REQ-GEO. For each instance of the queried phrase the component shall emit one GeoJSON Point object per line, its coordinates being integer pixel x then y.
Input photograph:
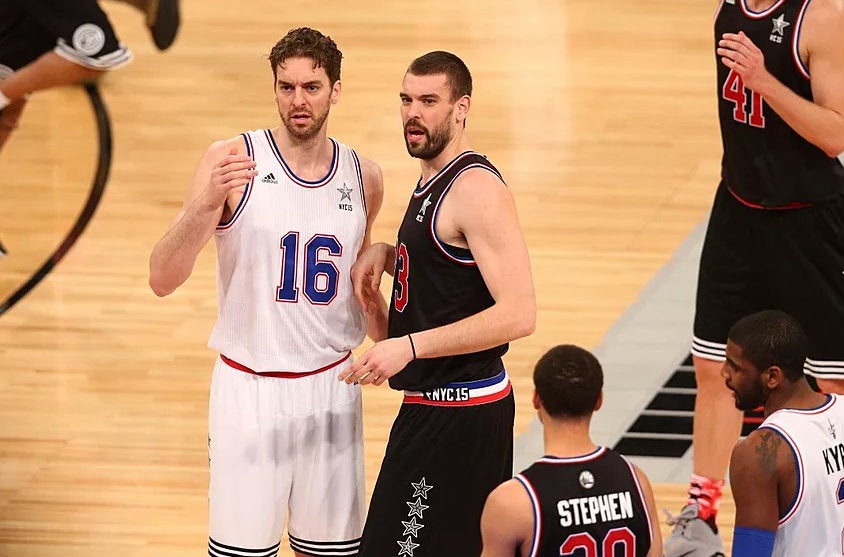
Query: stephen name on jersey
{"type": "Point", "coordinates": [600, 508]}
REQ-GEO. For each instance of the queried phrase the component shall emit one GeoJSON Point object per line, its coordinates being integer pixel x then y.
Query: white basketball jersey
{"type": "Point", "coordinates": [283, 261]}
{"type": "Point", "coordinates": [814, 522]}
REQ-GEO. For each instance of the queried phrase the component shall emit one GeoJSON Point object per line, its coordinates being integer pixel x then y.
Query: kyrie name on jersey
{"type": "Point", "coordinates": [600, 508]}
{"type": "Point", "coordinates": [833, 457]}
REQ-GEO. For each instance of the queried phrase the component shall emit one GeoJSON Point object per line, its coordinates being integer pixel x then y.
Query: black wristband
{"type": "Point", "coordinates": [412, 347]}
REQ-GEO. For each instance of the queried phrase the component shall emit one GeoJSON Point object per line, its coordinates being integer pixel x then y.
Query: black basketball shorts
{"type": "Point", "coordinates": [440, 465]}
{"type": "Point", "coordinates": [791, 260]}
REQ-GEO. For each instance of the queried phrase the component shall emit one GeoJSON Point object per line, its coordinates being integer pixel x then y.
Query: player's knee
{"type": "Point", "coordinates": [708, 371]}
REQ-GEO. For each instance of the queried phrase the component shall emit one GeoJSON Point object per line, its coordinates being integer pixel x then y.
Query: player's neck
{"type": "Point", "coordinates": [458, 144]}
{"type": "Point", "coordinates": [798, 396]}
{"type": "Point", "coordinates": [759, 5]}
{"type": "Point", "coordinates": [309, 159]}
{"type": "Point", "coordinates": [567, 438]}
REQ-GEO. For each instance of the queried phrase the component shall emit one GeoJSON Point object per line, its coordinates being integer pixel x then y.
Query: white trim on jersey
{"type": "Point", "coordinates": [247, 190]}
{"type": "Point", "coordinates": [597, 453]}
{"type": "Point", "coordinates": [417, 193]}
{"type": "Point", "coordinates": [110, 61]}
{"type": "Point", "coordinates": [795, 40]}
{"type": "Point", "coordinates": [759, 15]}
{"type": "Point", "coordinates": [798, 497]}
{"type": "Point", "coordinates": [360, 181]}
{"type": "Point", "coordinates": [537, 513]}
{"type": "Point", "coordinates": [635, 477]}
{"type": "Point", "coordinates": [433, 220]}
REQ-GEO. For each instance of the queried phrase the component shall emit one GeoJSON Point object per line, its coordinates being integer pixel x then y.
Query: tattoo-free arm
{"type": "Point", "coordinates": [506, 521]}
{"type": "Point", "coordinates": [373, 185]}
{"type": "Point", "coordinates": [486, 216]}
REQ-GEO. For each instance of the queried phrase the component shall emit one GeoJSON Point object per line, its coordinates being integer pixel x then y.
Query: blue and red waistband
{"type": "Point", "coordinates": [468, 393]}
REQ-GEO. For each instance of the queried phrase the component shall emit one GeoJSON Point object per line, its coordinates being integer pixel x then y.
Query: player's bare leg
{"type": "Point", "coordinates": [717, 422]}
{"type": "Point", "coordinates": [717, 426]}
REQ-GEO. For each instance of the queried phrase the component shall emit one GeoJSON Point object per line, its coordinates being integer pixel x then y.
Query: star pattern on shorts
{"type": "Point", "coordinates": [421, 489]}
{"type": "Point", "coordinates": [407, 546]}
{"type": "Point", "coordinates": [416, 507]}
{"type": "Point", "coordinates": [412, 527]}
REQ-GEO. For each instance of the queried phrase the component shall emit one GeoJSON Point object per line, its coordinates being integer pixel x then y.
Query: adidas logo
{"type": "Point", "coordinates": [269, 179]}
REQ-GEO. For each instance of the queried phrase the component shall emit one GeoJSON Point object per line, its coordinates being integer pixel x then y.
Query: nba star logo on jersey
{"type": "Point", "coordinates": [779, 27]}
{"type": "Point", "coordinates": [425, 204]}
{"type": "Point", "coordinates": [345, 193]}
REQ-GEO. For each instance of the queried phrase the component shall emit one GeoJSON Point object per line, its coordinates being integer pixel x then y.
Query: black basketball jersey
{"type": "Point", "coordinates": [435, 284]}
{"type": "Point", "coordinates": [593, 502]}
{"type": "Point", "coordinates": [765, 161]}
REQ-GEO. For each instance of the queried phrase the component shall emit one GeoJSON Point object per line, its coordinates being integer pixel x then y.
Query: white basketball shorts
{"type": "Point", "coordinates": [283, 449]}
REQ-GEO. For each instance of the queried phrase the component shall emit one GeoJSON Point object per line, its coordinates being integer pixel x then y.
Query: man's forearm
{"type": "Point", "coordinates": [816, 124]}
{"type": "Point", "coordinates": [50, 70]}
{"type": "Point", "coordinates": [174, 256]}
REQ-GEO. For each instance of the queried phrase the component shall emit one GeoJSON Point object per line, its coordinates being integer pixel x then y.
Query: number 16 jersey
{"type": "Point", "coordinates": [285, 299]}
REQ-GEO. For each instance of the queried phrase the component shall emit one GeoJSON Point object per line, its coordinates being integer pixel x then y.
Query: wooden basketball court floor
{"type": "Point", "coordinates": [600, 115]}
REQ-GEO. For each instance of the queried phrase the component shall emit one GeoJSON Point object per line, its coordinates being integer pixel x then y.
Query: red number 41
{"type": "Point", "coordinates": [734, 90]}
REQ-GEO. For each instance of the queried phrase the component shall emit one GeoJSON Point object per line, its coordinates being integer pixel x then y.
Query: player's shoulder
{"type": "Point", "coordinates": [369, 168]}
{"type": "Point", "coordinates": [764, 450]}
{"type": "Point", "coordinates": [479, 176]}
{"type": "Point", "coordinates": [824, 19]}
{"type": "Point", "coordinates": [508, 496]}
{"type": "Point", "coordinates": [223, 147]}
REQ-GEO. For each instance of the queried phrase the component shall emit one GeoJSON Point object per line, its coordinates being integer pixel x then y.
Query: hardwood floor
{"type": "Point", "coordinates": [600, 116]}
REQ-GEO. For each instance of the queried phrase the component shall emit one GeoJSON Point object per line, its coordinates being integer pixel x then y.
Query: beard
{"type": "Point", "coordinates": [433, 144]}
{"type": "Point", "coordinates": [304, 134]}
{"type": "Point", "coordinates": [751, 399]}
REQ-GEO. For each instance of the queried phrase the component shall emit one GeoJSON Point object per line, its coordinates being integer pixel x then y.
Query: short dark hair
{"type": "Point", "coordinates": [772, 338]}
{"type": "Point", "coordinates": [568, 381]}
{"type": "Point", "coordinates": [308, 43]}
{"type": "Point", "coordinates": [441, 62]}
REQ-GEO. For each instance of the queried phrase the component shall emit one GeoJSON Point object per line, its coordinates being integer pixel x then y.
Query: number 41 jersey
{"type": "Point", "coordinates": [283, 262]}
{"type": "Point", "coordinates": [766, 162]}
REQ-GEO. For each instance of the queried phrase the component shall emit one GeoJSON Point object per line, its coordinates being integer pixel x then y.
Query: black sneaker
{"type": "Point", "coordinates": [163, 21]}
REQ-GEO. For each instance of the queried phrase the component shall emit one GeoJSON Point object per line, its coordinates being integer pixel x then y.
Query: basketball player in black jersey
{"type": "Point", "coordinates": [776, 232]}
{"type": "Point", "coordinates": [579, 496]}
{"type": "Point", "coordinates": [462, 289]}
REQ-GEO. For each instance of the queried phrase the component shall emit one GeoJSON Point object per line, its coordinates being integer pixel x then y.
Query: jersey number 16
{"type": "Point", "coordinates": [321, 276]}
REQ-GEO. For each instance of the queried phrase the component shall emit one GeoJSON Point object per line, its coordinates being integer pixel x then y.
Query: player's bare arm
{"type": "Point", "coordinates": [650, 503]}
{"type": "Point", "coordinates": [481, 210]}
{"type": "Point", "coordinates": [375, 306]}
{"type": "Point", "coordinates": [49, 70]}
{"type": "Point", "coordinates": [754, 467]}
{"type": "Point", "coordinates": [820, 122]}
{"type": "Point", "coordinates": [221, 176]}
{"type": "Point", "coordinates": [507, 521]}
{"type": "Point", "coordinates": [484, 213]}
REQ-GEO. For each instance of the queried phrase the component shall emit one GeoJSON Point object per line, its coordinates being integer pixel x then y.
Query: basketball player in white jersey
{"type": "Point", "coordinates": [289, 209]}
{"type": "Point", "coordinates": [787, 476]}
